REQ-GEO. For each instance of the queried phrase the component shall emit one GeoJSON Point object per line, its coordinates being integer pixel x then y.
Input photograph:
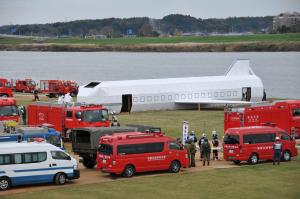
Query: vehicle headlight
{"type": "Point", "coordinates": [75, 167]}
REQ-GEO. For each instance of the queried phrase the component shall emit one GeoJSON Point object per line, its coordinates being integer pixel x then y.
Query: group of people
{"type": "Point", "coordinates": [204, 146]}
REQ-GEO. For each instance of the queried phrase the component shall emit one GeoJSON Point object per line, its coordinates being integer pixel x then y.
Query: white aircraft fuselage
{"type": "Point", "coordinates": [238, 86]}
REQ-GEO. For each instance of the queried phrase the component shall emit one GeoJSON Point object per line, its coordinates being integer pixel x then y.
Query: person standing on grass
{"type": "Point", "coordinates": [277, 147]}
{"type": "Point", "coordinates": [36, 94]}
{"type": "Point", "coordinates": [188, 147]}
{"type": "Point", "coordinates": [201, 142]}
{"type": "Point", "coordinates": [193, 151]}
{"type": "Point", "coordinates": [22, 111]}
{"type": "Point", "coordinates": [206, 152]}
{"type": "Point", "coordinates": [215, 144]}
{"type": "Point", "coordinates": [115, 121]}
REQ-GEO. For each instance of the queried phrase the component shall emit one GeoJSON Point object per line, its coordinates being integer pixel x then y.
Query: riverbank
{"type": "Point", "coordinates": [242, 43]}
{"type": "Point", "coordinates": [179, 47]}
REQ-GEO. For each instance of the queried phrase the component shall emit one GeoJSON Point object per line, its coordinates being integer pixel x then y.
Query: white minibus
{"type": "Point", "coordinates": [31, 163]}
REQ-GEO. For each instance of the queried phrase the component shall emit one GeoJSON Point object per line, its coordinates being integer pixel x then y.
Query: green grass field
{"type": "Point", "coordinates": [259, 181]}
{"type": "Point", "coordinates": [152, 40]}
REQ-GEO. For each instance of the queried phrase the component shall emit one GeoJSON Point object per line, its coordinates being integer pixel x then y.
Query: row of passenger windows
{"type": "Point", "coordinates": [22, 158]}
{"type": "Point", "coordinates": [145, 148]}
{"type": "Point", "coordinates": [263, 138]}
{"type": "Point", "coordinates": [184, 96]}
{"type": "Point", "coordinates": [26, 158]}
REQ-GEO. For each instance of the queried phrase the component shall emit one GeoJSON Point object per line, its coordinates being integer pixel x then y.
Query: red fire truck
{"type": "Point", "coordinates": [9, 115]}
{"type": "Point", "coordinates": [284, 114]}
{"type": "Point", "coordinates": [127, 153]}
{"type": "Point", "coordinates": [54, 88]}
{"type": "Point", "coordinates": [26, 85]}
{"type": "Point", "coordinates": [256, 143]}
{"type": "Point", "coordinates": [67, 117]}
{"type": "Point", "coordinates": [5, 88]}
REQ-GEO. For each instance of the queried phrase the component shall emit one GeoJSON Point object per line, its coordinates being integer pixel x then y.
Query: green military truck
{"type": "Point", "coordinates": [85, 141]}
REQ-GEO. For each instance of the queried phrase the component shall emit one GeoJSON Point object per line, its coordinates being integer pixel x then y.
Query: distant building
{"type": "Point", "coordinates": [287, 22]}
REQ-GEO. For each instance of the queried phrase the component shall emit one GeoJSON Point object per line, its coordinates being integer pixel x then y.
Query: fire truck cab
{"type": "Point", "coordinates": [66, 117]}
{"type": "Point", "coordinates": [54, 88]}
{"type": "Point", "coordinates": [26, 85]}
{"type": "Point", "coordinates": [8, 109]}
{"type": "Point", "coordinates": [5, 88]}
{"type": "Point", "coordinates": [283, 114]}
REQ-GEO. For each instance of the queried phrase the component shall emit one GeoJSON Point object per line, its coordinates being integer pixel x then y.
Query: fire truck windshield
{"type": "Point", "coordinates": [105, 149]}
{"type": "Point", "coordinates": [231, 139]}
{"type": "Point", "coordinates": [54, 140]}
{"type": "Point", "coordinates": [73, 84]}
{"type": "Point", "coordinates": [7, 85]}
{"type": "Point", "coordinates": [31, 83]}
{"type": "Point", "coordinates": [95, 116]}
{"type": "Point", "coordinates": [8, 111]}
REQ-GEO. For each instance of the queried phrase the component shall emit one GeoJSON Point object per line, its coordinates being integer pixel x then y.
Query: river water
{"type": "Point", "coordinates": [279, 71]}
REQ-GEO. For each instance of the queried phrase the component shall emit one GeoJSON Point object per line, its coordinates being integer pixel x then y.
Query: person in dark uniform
{"type": "Point", "coordinates": [115, 121]}
{"type": "Point", "coordinates": [277, 147]}
{"type": "Point", "coordinates": [206, 152]}
{"type": "Point", "coordinates": [193, 151]}
{"type": "Point", "coordinates": [188, 146]}
{"type": "Point", "coordinates": [215, 144]}
{"type": "Point", "coordinates": [36, 94]}
{"type": "Point", "coordinates": [201, 142]}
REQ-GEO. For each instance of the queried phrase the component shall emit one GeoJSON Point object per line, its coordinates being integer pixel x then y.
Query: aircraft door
{"type": "Point", "coordinates": [246, 94]}
{"type": "Point", "coordinates": [126, 103]}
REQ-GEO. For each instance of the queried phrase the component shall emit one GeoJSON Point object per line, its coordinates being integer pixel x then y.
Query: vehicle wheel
{"type": "Point", "coordinates": [286, 156]}
{"type": "Point", "coordinates": [60, 179]}
{"type": "Point", "coordinates": [4, 183]}
{"type": "Point", "coordinates": [175, 166]}
{"type": "Point", "coordinates": [88, 163]}
{"type": "Point", "coordinates": [128, 171]}
{"type": "Point", "coordinates": [253, 158]}
{"type": "Point", "coordinates": [236, 161]}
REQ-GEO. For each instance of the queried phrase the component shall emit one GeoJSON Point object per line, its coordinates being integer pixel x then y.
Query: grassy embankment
{"type": "Point", "coordinates": [259, 42]}
{"type": "Point", "coordinates": [259, 181]}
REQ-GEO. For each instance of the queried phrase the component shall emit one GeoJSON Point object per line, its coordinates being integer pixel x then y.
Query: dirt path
{"type": "Point", "coordinates": [91, 176]}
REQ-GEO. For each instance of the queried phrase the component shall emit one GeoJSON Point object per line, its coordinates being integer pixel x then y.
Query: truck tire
{"type": "Point", "coordinates": [129, 171]}
{"type": "Point", "coordinates": [236, 161]}
{"type": "Point", "coordinates": [60, 178]}
{"type": "Point", "coordinates": [286, 156]}
{"type": "Point", "coordinates": [88, 163]}
{"type": "Point", "coordinates": [253, 158]}
{"type": "Point", "coordinates": [175, 166]}
{"type": "Point", "coordinates": [4, 183]}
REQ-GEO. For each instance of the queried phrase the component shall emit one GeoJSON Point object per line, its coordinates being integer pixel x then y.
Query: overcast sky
{"type": "Point", "coordinates": [48, 11]}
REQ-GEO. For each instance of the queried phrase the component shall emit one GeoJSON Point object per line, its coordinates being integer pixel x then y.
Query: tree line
{"type": "Point", "coordinates": [174, 24]}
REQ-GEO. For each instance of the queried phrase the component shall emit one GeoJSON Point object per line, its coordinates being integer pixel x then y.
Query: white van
{"type": "Point", "coordinates": [30, 163]}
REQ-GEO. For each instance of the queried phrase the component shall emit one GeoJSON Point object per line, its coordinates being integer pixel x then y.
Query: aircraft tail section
{"type": "Point", "coordinates": [240, 67]}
